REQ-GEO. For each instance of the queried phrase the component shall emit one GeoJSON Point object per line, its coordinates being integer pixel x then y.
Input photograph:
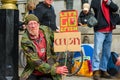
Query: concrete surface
{"type": "Point", "coordinates": [75, 77]}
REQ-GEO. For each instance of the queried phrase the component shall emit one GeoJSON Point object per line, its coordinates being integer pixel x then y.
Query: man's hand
{"type": "Point", "coordinates": [80, 24]}
{"type": "Point", "coordinates": [62, 70]}
{"type": "Point", "coordinates": [57, 30]}
{"type": "Point", "coordinates": [118, 61]}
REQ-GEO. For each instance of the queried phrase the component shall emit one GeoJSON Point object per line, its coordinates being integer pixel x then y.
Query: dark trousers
{"type": "Point", "coordinates": [42, 77]}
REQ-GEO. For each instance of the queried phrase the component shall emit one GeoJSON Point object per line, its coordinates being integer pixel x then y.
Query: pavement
{"type": "Point", "coordinates": [76, 77]}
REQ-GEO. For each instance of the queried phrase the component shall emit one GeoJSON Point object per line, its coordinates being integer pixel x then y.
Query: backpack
{"type": "Point", "coordinates": [112, 69]}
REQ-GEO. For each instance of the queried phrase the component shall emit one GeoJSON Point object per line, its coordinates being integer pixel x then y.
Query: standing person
{"type": "Point", "coordinates": [30, 6]}
{"type": "Point", "coordinates": [46, 14]}
{"type": "Point", "coordinates": [84, 15]}
{"type": "Point", "coordinates": [37, 44]}
{"type": "Point", "coordinates": [103, 10]}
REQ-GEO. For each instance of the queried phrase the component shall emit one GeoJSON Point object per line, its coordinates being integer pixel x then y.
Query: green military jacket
{"type": "Point", "coordinates": [33, 61]}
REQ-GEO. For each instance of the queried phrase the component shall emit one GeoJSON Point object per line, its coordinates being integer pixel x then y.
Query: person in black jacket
{"type": "Point", "coordinates": [46, 14]}
{"type": "Point", "coordinates": [84, 15]}
{"type": "Point", "coordinates": [103, 10]}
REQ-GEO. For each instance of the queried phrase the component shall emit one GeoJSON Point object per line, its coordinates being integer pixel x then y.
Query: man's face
{"type": "Point", "coordinates": [48, 2]}
{"type": "Point", "coordinates": [85, 11]}
{"type": "Point", "coordinates": [33, 27]}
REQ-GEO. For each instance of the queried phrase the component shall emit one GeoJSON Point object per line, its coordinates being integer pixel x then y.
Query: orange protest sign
{"type": "Point", "coordinates": [67, 41]}
{"type": "Point", "coordinates": [68, 21]}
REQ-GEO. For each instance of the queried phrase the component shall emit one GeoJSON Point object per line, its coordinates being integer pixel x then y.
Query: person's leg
{"type": "Point", "coordinates": [106, 51]}
{"type": "Point", "coordinates": [32, 77]}
{"type": "Point", "coordinates": [45, 77]}
{"type": "Point", "coordinates": [98, 42]}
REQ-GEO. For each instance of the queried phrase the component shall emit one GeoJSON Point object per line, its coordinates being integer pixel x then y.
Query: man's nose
{"type": "Point", "coordinates": [33, 25]}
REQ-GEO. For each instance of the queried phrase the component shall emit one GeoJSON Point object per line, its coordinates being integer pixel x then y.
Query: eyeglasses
{"type": "Point", "coordinates": [32, 23]}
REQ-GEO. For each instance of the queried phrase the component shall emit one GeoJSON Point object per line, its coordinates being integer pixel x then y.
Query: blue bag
{"type": "Point", "coordinates": [112, 69]}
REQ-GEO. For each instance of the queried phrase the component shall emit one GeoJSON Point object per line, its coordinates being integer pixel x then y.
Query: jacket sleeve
{"type": "Point", "coordinates": [79, 18]}
{"type": "Point", "coordinates": [34, 61]}
{"type": "Point", "coordinates": [113, 7]}
{"type": "Point", "coordinates": [39, 12]}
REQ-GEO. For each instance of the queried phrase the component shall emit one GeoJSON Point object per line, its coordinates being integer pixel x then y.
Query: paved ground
{"type": "Point", "coordinates": [83, 78]}
{"type": "Point", "coordinates": [75, 77]}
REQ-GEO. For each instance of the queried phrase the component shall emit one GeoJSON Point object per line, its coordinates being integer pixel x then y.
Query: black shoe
{"type": "Point", "coordinates": [104, 74]}
{"type": "Point", "coordinates": [117, 76]}
{"type": "Point", "coordinates": [96, 75]}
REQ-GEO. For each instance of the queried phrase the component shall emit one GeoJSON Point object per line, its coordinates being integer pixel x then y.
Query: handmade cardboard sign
{"type": "Point", "coordinates": [68, 21]}
{"type": "Point", "coordinates": [67, 41]}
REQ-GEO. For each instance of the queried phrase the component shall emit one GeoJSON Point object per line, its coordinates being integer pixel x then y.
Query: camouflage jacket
{"type": "Point", "coordinates": [33, 61]}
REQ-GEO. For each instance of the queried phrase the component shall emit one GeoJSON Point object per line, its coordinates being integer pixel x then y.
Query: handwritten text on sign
{"type": "Point", "coordinates": [68, 21]}
{"type": "Point", "coordinates": [67, 41]}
